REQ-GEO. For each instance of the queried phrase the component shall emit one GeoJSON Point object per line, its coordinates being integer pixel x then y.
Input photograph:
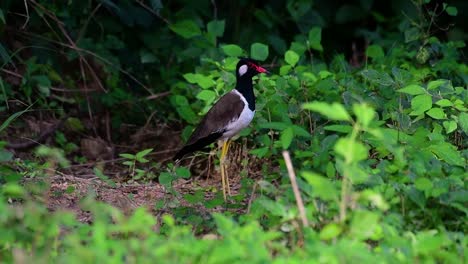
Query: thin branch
{"type": "Point", "coordinates": [93, 73]}
{"type": "Point", "coordinates": [215, 10]}
{"type": "Point", "coordinates": [12, 73]}
{"type": "Point", "coordinates": [78, 49]}
{"type": "Point", "coordinates": [27, 14]}
{"type": "Point", "coordinates": [63, 90]}
{"type": "Point", "coordinates": [292, 177]}
{"type": "Point", "coordinates": [153, 12]}
{"type": "Point", "coordinates": [83, 29]}
{"type": "Point", "coordinates": [42, 137]}
{"type": "Point", "coordinates": [252, 195]}
{"type": "Point", "coordinates": [159, 95]}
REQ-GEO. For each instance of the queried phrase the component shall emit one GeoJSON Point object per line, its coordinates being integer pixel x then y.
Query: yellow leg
{"type": "Point", "coordinates": [224, 176]}
{"type": "Point", "coordinates": [226, 171]}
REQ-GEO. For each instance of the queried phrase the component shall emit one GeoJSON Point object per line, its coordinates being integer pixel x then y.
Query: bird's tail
{"type": "Point", "coordinates": [181, 154]}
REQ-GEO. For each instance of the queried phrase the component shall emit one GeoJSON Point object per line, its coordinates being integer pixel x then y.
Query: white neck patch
{"type": "Point", "coordinates": [243, 69]}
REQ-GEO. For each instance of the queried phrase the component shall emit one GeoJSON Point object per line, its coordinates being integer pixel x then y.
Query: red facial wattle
{"type": "Point", "coordinates": [259, 69]}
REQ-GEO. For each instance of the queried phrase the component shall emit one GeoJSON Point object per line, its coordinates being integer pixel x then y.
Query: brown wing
{"type": "Point", "coordinates": [212, 126]}
{"type": "Point", "coordinates": [227, 108]}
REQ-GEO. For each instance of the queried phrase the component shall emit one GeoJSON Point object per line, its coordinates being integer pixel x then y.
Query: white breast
{"type": "Point", "coordinates": [235, 126]}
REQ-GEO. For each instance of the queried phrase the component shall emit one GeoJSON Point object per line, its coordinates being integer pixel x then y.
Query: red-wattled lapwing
{"type": "Point", "coordinates": [233, 112]}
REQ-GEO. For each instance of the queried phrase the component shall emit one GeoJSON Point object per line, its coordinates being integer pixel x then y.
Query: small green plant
{"type": "Point", "coordinates": [132, 160]}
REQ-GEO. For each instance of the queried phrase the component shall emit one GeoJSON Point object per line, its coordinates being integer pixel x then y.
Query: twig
{"type": "Point", "coordinates": [12, 73]}
{"type": "Point", "coordinates": [153, 12]}
{"type": "Point", "coordinates": [159, 95]}
{"type": "Point", "coordinates": [85, 26]}
{"type": "Point", "coordinates": [252, 195]}
{"type": "Point", "coordinates": [67, 90]}
{"type": "Point", "coordinates": [292, 177]}
{"type": "Point", "coordinates": [73, 45]}
{"type": "Point", "coordinates": [27, 14]}
{"type": "Point", "coordinates": [215, 9]}
{"type": "Point", "coordinates": [120, 159]}
{"type": "Point", "coordinates": [343, 203]}
{"type": "Point", "coordinates": [78, 49]}
{"type": "Point", "coordinates": [42, 137]}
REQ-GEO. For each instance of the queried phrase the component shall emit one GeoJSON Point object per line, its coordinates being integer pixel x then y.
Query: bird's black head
{"type": "Point", "coordinates": [247, 67]}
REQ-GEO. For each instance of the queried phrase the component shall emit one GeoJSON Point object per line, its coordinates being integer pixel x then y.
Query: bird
{"type": "Point", "coordinates": [227, 117]}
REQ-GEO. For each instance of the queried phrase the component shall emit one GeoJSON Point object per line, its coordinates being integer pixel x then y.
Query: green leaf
{"type": "Point", "coordinates": [421, 104]}
{"type": "Point", "coordinates": [207, 95]}
{"type": "Point", "coordinates": [11, 118]}
{"type": "Point", "coordinates": [322, 187]}
{"type": "Point", "coordinates": [301, 132]}
{"type": "Point", "coordinates": [165, 179]}
{"type": "Point", "coordinates": [378, 78]}
{"type": "Point", "coordinates": [427, 242]}
{"type": "Point", "coordinates": [375, 51]}
{"type": "Point", "coordinates": [139, 156]}
{"type": "Point", "coordinates": [12, 190]}
{"type": "Point", "coordinates": [452, 11]}
{"type": "Point", "coordinates": [412, 34]}
{"type": "Point", "coordinates": [448, 152]}
{"type": "Point", "coordinates": [2, 16]}
{"type": "Point", "coordinates": [203, 81]}
{"type": "Point", "coordinates": [147, 57]}
{"type": "Point", "coordinates": [75, 124]}
{"type": "Point", "coordinates": [186, 29]}
{"type": "Point", "coordinates": [334, 111]}
{"type": "Point", "coordinates": [216, 27]}
{"type": "Point", "coordinates": [128, 163]}
{"type": "Point", "coordinates": [331, 171]}
{"type": "Point", "coordinates": [339, 128]}
{"type": "Point", "coordinates": [100, 174]}
{"type": "Point", "coordinates": [462, 121]}
{"type": "Point", "coordinates": [436, 113]}
{"type": "Point", "coordinates": [183, 172]}
{"type": "Point", "coordinates": [364, 114]}
{"type": "Point", "coordinates": [423, 184]}
{"type": "Point", "coordinates": [330, 231]}
{"type": "Point", "coordinates": [5, 58]}
{"type": "Point", "coordinates": [197, 197]}
{"type": "Point", "coordinates": [291, 57]}
{"type": "Point", "coordinates": [5, 155]}
{"type": "Point", "coordinates": [351, 150]}
{"type": "Point", "coordinates": [273, 207]}
{"type": "Point", "coordinates": [191, 77]}
{"type": "Point", "coordinates": [232, 50]}
{"type": "Point", "coordinates": [315, 38]}
{"type": "Point", "coordinates": [325, 74]}
{"type": "Point", "coordinates": [156, 5]}
{"type": "Point", "coordinates": [259, 51]}
{"type": "Point", "coordinates": [183, 109]}
{"type": "Point", "coordinates": [287, 137]}
{"type": "Point", "coordinates": [43, 83]}
{"type": "Point", "coordinates": [435, 84]}
{"type": "Point", "coordinates": [274, 125]}
{"type": "Point", "coordinates": [449, 126]}
{"type": "Point", "coordinates": [365, 225]}
{"type": "Point", "coordinates": [127, 156]}
{"type": "Point", "coordinates": [412, 89]}
{"type": "Point", "coordinates": [423, 55]}
{"type": "Point", "coordinates": [444, 103]}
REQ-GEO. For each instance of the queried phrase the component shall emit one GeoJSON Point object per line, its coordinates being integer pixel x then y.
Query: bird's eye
{"type": "Point", "coordinates": [243, 69]}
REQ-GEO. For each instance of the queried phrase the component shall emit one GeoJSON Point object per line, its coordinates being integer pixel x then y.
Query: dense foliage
{"type": "Point", "coordinates": [370, 101]}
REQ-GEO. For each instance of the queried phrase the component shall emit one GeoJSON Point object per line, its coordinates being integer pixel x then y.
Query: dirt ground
{"type": "Point", "coordinates": [69, 186]}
